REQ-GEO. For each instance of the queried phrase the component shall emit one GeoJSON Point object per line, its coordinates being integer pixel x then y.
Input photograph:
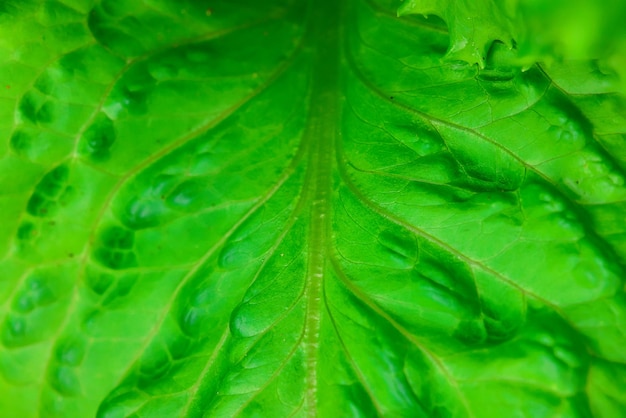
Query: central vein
{"type": "Point", "coordinates": [321, 135]}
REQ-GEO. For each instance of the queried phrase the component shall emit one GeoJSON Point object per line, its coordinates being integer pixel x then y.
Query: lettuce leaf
{"type": "Point", "coordinates": [538, 30]}
{"type": "Point", "coordinates": [288, 209]}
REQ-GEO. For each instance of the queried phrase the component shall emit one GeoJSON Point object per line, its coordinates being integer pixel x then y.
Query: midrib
{"type": "Point", "coordinates": [321, 132]}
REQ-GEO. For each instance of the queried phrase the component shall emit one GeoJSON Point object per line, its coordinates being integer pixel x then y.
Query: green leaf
{"type": "Point", "coordinates": [537, 30]}
{"type": "Point", "coordinates": [288, 208]}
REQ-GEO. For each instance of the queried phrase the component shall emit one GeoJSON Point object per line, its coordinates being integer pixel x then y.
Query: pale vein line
{"type": "Point", "coordinates": [274, 375]}
{"type": "Point", "coordinates": [285, 230]}
{"type": "Point", "coordinates": [579, 207]}
{"type": "Point", "coordinates": [166, 150]}
{"type": "Point", "coordinates": [355, 367]}
{"type": "Point", "coordinates": [323, 126]}
{"type": "Point", "coordinates": [359, 294]}
{"type": "Point", "coordinates": [131, 62]}
{"type": "Point", "coordinates": [605, 152]}
{"type": "Point", "coordinates": [418, 231]}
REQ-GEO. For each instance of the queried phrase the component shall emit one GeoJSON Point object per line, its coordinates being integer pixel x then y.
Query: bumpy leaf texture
{"type": "Point", "coordinates": [297, 209]}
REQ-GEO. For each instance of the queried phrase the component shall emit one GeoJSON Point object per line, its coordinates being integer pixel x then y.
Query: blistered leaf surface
{"type": "Point", "coordinates": [289, 209]}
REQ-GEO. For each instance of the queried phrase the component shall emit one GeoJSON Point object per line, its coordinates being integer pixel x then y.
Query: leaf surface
{"type": "Point", "coordinates": [296, 209]}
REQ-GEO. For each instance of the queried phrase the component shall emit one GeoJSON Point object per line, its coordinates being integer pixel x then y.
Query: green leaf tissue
{"type": "Point", "coordinates": [312, 209]}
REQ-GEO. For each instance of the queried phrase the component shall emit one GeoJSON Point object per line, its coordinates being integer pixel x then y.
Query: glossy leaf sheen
{"type": "Point", "coordinates": [236, 209]}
